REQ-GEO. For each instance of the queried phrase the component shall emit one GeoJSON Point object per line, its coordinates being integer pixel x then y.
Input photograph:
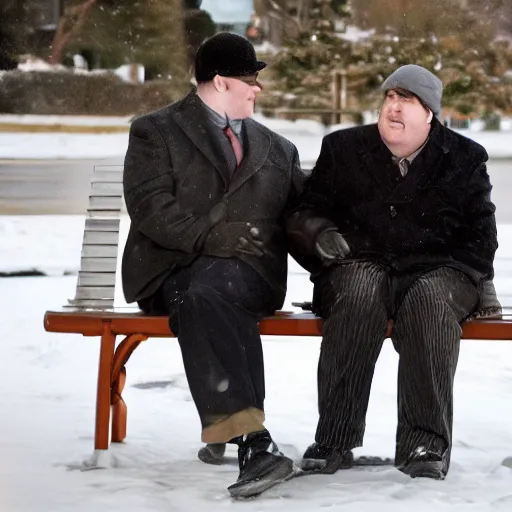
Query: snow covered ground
{"type": "Point", "coordinates": [305, 134]}
{"type": "Point", "coordinates": [47, 386]}
{"type": "Point", "coordinates": [47, 389]}
{"type": "Point", "coordinates": [30, 119]}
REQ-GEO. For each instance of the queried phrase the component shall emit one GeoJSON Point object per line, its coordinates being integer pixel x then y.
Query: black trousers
{"type": "Point", "coordinates": [214, 308]}
{"type": "Point", "coordinates": [427, 309]}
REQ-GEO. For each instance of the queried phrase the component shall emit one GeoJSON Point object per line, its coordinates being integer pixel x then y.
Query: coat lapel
{"type": "Point", "coordinates": [420, 173]}
{"type": "Point", "coordinates": [192, 118]}
{"type": "Point", "coordinates": [377, 161]}
{"type": "Point", "coordinates": [257, 148]}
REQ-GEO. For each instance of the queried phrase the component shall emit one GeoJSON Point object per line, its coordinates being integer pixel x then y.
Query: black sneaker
{"type": "Point", "coordinates": [426, 463]}
{"type": "Point", "coordinates": [212, 453]}
{"type": "Point", "coordinates": [261, 464]}
{"type": "Point", "coordinates": [326, 459]}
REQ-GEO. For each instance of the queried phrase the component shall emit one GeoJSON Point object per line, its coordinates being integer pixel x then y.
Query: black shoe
{"type": "Point", "coordinates": [426, 463]}
{"type": "Point", "coordinates": [261, 464]}
{"type": "Point", "coordinates": [212, 453]}
{"type": "Point", "coordinates": [326, 459]}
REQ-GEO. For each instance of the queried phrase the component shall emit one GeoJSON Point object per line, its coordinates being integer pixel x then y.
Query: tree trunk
{"type": "Point", "coordinates": [69, 24]}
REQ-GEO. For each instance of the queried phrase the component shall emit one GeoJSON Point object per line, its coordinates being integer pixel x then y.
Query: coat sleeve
{"type": "Point", "coordinates": [479, 237]}
{"type": "Point", "coordinates": [310, 213]}
{"type": "Point", "coordinates": [149, 191]}
{"type": "Point", "coordinates": [298, 179]}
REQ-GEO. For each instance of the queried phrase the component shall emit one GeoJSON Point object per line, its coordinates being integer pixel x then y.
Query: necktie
{"type": "Point", "coordinates": [235, 144]}
{"type": "Point", "coordinates": [403, 165]}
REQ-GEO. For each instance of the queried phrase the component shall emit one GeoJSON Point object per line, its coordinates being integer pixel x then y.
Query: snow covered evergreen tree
{"type": "Point", "coordinates": [458, 44]}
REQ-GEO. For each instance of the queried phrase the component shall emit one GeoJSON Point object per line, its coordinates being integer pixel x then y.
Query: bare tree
{"type": "Point", "coordinates": [72, 20]}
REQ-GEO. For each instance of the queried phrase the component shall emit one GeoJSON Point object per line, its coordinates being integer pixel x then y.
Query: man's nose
{"type": "Point", "coordinates": [396, 105]}
{"type": "Point", "coordinates": [257, 87]}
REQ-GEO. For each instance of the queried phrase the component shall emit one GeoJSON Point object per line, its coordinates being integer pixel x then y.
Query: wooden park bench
{"type": "Point", "coordinates": [92, 312]}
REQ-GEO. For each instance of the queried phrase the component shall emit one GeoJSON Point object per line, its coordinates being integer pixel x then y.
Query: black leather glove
{"type": "Point", "coordinates": [251, 244]}
{"type": "Point", "coordinates": [223, 240]}
{"type": "Point", "coordinates": [331, 246]}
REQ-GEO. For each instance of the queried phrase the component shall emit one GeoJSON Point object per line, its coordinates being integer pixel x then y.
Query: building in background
{"type": "Point", "coordinates": [44, 19]}
{"type": "Point", "coordinates": [230, 15]}
{"type": "Point", "coordinates": [26, 26]}
{"type": "Point", "coordinates": [46, 14]}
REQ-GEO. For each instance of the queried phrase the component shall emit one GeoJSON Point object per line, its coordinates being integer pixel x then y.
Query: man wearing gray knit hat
{"type": "Point", "coordinates": [397, 228]}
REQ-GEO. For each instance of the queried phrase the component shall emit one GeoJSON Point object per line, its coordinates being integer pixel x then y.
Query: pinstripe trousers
{"type": "Point", "coordinates": [427, 310]}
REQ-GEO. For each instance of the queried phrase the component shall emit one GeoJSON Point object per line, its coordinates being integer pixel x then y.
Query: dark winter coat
{"type": "Point", "coordinates": [175, 174]}
{"type": "Point", "coordinates": [439, 214]}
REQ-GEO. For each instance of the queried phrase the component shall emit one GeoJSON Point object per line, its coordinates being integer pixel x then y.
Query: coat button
{"type": "Point", "coordinates": [392, 211]}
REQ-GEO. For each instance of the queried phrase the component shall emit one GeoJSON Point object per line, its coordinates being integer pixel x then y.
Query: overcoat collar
{"type": "Point", "coordinates": [257, 150]}
{"type": "Point", "coordinates": [192, 118]}
{"type": "Point", "coordinates": [377, 160]}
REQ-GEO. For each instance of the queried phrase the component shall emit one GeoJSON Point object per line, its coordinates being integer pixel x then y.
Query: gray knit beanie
{"type": "Point", "coordinates": [421, 82]}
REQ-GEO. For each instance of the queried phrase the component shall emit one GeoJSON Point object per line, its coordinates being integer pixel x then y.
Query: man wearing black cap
{"type": "Point", "coordinates": [397, 223]}
{"type": "Point", "coordinates": [206, 188]}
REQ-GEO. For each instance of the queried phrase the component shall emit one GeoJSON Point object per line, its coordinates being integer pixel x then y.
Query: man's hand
{"type": "Point", "coordinates": [229, 239]}
{"type": "Point", "coordinates": [331, 246]}
{"type": "Point", "coordinates": [252, 244]}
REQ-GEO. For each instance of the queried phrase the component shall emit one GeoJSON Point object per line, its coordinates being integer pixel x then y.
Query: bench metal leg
{"type": "Point", "coordinates": [108, 341]}
{"type": "Point", "coordinates": [118, 378]}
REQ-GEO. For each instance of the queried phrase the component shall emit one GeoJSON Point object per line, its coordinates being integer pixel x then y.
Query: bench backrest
{"type": "Point", "coordinates": [103, 232]}
{"type": "Point", "coordinates": [100, 247]}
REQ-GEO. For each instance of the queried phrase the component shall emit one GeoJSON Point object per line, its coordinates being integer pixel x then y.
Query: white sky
{"type": "Point", "coordinates": [228, 11]}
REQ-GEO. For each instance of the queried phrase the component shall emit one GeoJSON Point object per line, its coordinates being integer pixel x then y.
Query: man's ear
{"type": "Point", "coordinates": [219, 84]}
{"type": "Point", "coordinates": [430, 117]}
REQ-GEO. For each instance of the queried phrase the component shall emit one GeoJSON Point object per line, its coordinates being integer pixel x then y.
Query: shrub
{"type": "Point", "coordinates": [68, 93]}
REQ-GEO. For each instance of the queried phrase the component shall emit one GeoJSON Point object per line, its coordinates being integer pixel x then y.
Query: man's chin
{"type": "Point", "coordinates": [251, 108]}
{"type": "Point", "coordinates": [392, 134]}
{"type": "Point", "coordinates": [248, 114]}
{"type": "Point", "coordinates": [240, 116]}
{"type": "Point", "coordinates": [392, 139]}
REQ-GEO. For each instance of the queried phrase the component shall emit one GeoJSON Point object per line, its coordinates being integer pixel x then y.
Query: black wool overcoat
{"type": "Point", "coordinates": [439, 214]}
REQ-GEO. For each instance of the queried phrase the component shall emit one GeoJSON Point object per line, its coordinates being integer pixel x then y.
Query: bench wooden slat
{"type": "Point", "coordinates": [103, 188]}
{"type": "Point", "coordinates": [96, 279]}
{"type": "Point", "coordinates": [103, 214]}
{"type": "Point", "coordinates": [98, 264]}
{"type": "Point", "coordinates": [282, 324]}
{"type": "Point", "coordinates": [97, 305]}
{"type": "Point", "coordinates": [94, 292]}
{"type": "Point", "coordinates": [101, 238]}
{"type": "Point", "coordinates": [105, 203]}
{"type": "Point", "coordinates": [99, 251]}
{"type": "Point", "coordinates": [85, 325]}
{"type": "Point", "coordinates": [102, 225]}
{"type": "Point", "coordinates": [109, 173]}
